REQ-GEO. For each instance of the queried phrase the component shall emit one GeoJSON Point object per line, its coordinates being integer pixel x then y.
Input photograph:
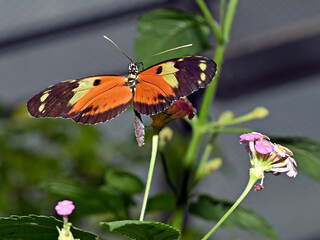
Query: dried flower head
{"type": "Point", "coordinates": [138, 129]}
{"type": "Point", "coordinates": [178, 109]}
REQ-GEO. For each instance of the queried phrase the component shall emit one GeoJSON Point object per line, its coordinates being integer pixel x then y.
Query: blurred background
{"type": "Point", "coordinates": [272, 60]}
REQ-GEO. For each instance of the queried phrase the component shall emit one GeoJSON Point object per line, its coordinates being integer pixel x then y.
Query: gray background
{"type": "Point", "coordinates": [272, 61]}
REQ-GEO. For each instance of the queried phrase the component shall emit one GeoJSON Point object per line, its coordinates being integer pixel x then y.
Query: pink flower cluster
{"type": "Point", "coordinates": [268, 156]}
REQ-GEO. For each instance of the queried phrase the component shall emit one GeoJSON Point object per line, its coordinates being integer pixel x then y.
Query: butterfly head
{"type": "Point", "coordinates": [134, 68]}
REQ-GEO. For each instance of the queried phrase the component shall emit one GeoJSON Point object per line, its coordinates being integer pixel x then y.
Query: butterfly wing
{"type": "Point", "coordinates": [87, 100]}
{"type": "Point", "coordinates": [163, 83]}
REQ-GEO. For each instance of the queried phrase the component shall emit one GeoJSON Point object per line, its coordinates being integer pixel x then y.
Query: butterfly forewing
{"type": "Point", "coordinates": [161, 84]}
{"type": "Point", "coordinates": [87, 100]}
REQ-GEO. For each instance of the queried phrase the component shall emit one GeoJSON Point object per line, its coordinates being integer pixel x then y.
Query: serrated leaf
{"type": "Point", "coordinates": [162, 29]}
{"type": "Point", "coordinates": [161, 202]}
{"type": "Point", "coordinates": [36, 228]}
{"type": "Point", "coordinates": [213, 209]}
{"type": "Point", "coordinates": [306, 152]}
{"type": "Point", "coordinates": [88, 199]}
{"type": "Point", "coordinates": [124, 181]}
{"type": "Point", "coordinates": [143, 230]}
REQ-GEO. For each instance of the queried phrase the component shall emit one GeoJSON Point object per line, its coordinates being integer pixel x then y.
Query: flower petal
{"type": "Point", "coordinates": [264, 146]}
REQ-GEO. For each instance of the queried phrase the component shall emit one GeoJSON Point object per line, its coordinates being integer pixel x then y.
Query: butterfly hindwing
{"type": "Point", "coordinates": [161, 84]}
{"type": "Point", "coordinates": [87, 100]}
{"type": "Point", "coordinates": [152, 94]}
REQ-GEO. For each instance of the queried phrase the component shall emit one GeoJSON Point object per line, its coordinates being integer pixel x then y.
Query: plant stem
{"type": "Point", "coordinates": [211, 21]}
{"type": "Point", "coordinates": [207, 99]}
{"type": "Point", "coordinates": [222, 14]}
{"type": "Point", "coordinates": [176, 220]}
{"type": "Point", "coordinates": [155, 140]}
{"type": "Point", "coordinates": [219, 56]}
{"type": "Point", "coordinates": [197, 126]}
{"type": "Point", "coordinates": [211, 89]}
{"type": "Point", "coordinates": [232, 130]}
{"type": "Point", "coordinates": [244, 118]}
{"type": "Point", "coordinates": [166, 174]}
{"type": "Point", "coordinates": [249, 186]}
{"type": "Point", "coordinates": [229, 19]}
{"type": "Point", "coordinates": [192, 149]}
{"type": "Point", "coordinates": [203, 160]}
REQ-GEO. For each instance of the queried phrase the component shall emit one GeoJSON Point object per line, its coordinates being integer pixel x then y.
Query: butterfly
{"type": "Point", "coordinates": [96, 99]}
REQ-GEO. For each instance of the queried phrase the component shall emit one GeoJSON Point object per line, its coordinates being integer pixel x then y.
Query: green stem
{"type": "Point", "coordinates": [192, 149]}
{"type": "Point", "coordinates": [206, 103]}
{"type": "Point", "coordinates": [249, 186]}
{"type": "Point", "coordinates": [166, 173]}
{"type": "Point", "coordinates": [211, 89]}
{"type": "Point", "coordinates": [219, 56]}
{"type": "Point", "coordinates": [197, 126]}
{"type": "Point", "coordinates": [155, 139]}
{"type": "Point", "coordinates": [176, 220]}
{"type": "Point", "coordinates": [213, 23]}
{"type": "Point", "coordinates": [244, 118]}
{"type": "Point", "coordinates": [198, 173]}
{"type": "Point", "coordinates": [229, 19]}
{"type": "Point", "coordinates": [222, 14]}
{"type": "Point", "coordinates": [232, 130]}
{"type": "Point", "coordinates": [203, 160]}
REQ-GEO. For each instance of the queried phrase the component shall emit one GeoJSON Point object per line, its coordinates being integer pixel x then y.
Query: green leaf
{"type": "Point", "coordinates": [162, 29]}
{"type": "Point", "coordinates": [124, 181]}
{"type": "Point", "coordinates": [213, 209]}
{"type": "Point", "coordinates": [161, 202]}
{"type": "Point", "coordinates": [88, 199]}
{"type": "Point", "coordinates": [36, 228]}
{"type": "Point", "coordinates": [306, 152]}
{"type": "Point", "coordinates": [143, 230]}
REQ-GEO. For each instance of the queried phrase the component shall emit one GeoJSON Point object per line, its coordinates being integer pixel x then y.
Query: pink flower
{"type": "Point", "coordinates": [64, 208]}
{"type": "Point", "coordinates": [263, 146]}
{"type": "Point", "coordinates": [266, 156]}
{"type": "Point", "coordinates": [282, 151]}
{"type": "Point", "coordinates": [292, 171]}
{"type": "Point", "coordinates": [288, 166]}
{"type": "Point", "coordinates": [245, 138]}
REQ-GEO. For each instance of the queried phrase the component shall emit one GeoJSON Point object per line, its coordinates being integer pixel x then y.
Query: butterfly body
{"type": "Point", "coordinates": [97, 99]}
{"type": "Point", "coordinates": [132, 76]}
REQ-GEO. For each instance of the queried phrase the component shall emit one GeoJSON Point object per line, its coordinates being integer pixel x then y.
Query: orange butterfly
{"type": "Point", "coordinates": [98, 99]}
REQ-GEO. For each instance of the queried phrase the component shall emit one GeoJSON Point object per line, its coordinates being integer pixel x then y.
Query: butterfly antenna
{"type": "Point", "coordinates": [118, 48]}
{"type": "Point", "coordinates": [169, 50]}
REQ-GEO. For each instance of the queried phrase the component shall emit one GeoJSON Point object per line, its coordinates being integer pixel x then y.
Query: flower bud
{"type": "Point", "coordinates": [260, 112]}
